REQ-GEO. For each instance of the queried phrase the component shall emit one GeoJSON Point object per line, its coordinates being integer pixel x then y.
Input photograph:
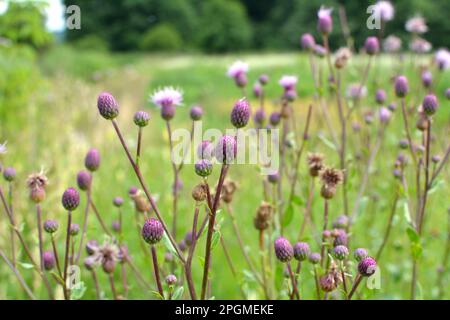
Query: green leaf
{"type": "Point", "coordinates": [77, 292]}
{"type": "Point", "coordinates": [288, 215]}
{"type": "Point", "coordinates": [249, 276]}
{"type": "Point", "coordinates": [178, 293]}
{"type": "Point", "coordinates": [416, 246]}
{"type": "Point", "coordinates": [406, 212]}
{"type": "Point", "coordinates": [215, 239]}
{"type": "Point", "coordinates": [297, 200]}
{"type": "Point", "coordinates": [327, 142]}
{"type": "Point", "coordinates": [201, 260]}
{"type": "Point", "coordinates": [26, 265]}
{"type": "Point", "coordinates": [169, 245]}
{"type": "Point", "coordinates": [435, 186]}
{"type": "Point", "coordinates": [157, 295]}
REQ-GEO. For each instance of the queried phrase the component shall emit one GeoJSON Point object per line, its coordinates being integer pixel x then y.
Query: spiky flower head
{"type": "Point", "coordinates": [341, 57]}
{"type": "Point", "coordinates": [331, 280]}
{"type": "Point", "coordinates": [228, 189]}
{"type": "Point", "coordinates": [51, 226]}
{"type": "Point", "coordinates": [420, 46]}
{"type": "Point", "coordinates": [288, 82]}
{"type": "Point", "coordinates": [91, 246]}
{"type": "Point", "coordinates": [341, 222]}
{"type": "Point", "coordinates": [257, 89]}
{"type": "Point", "coordinates": [226, 149]}
{"type": "Point", "coordinates": [92, 160]}
{"type": "Point", "coordinates": [171, 280]}
{"type": "Point", "coordinates": [315, 163]}
{"type": "Point", "coordinates": [74, 229]}
{"type": "Point", "coordinates": [259, 117]}
{"type": "Point", "coordinates": [273, 178]}
{"type": "Point", "coordinates": [37, 183]}
{"type": "Point", "coordinates": [84, 180]}
{"type": "Point", "coordinates": [90, 263]}
{"type": "Point", "coordinates": [9, 174]}
{"type": "Point", "coordinates": [141, 118]}
{"type": "Point", "coordinates": [48, 260]}
{"type": "Point", "coordinates": [442, 58]}
{"type": "Point", "coordinates": [427, 78]}
{"type": "Point", "coordinates": [203, 167]}
{"type": "Point", "coordinates": [199, 192]}
{"type": "Point", "coordinates": [70, 199]}
{"type": "Point", "coordinates": [384, 10]}
{"type": "Point", "coordinates": [240, 114]}
{"type": "Point", "coordinates": [275, 118]}
{"type": "Point", "coordinates": [263, 79]}
{"type": "Point", "coordinates": [118, 202]}
{"type": "Point", "coordinates": [380, 96]}
{"type": "Point", "coordinates": [133, 191]}
{"type": "Point", "coordinates": [360, 253]}
{"type": "Point", "coordinates": [196, 113]}
{"type": "Point", "coordinates": [107, 106]}
{"type": "Point", "coordinates": [167, 96]}
{"type": "Point", "coordinates": [401, 86]}
{"type": "Point", "coordinates": [392, 44]}
{"type": "Point", "coordinates": [106, 255]}
{"type": "Point", "coordinates": [263, 216]}
{"type": "Point", "coordinates": [384, 115]}
{"type": "Point", "coordinates": [307, 41]}
{"type": "Point", "coordinates": [367, 266]}
{"type": "Point", "coordinates": [331, 176]}
{"type": "Point", "coordinates": [283, 249]}
{"type": "Point", "coordinates": [416, 25]}
{"type": "Point", "coordinates": [115, 225]}
{"type": "Point", "coordinates": [325, 22]}
{"type": "Point", "coordinates": [314, 258]}
{"type": "Point", "coordinates": [301, 251]}
{"type": "Point", "coordinates": [430, 104]}
{"type": "Point", "coordinates": [340, 252]}
{"type": "Point", "coordinates": [238, 68]}
{"type": "Point", "coordinates": [152, 231]}
{"type": "Point", "coordinates": [340, 237]}
{"type": "Point", "coordinates": [205, 150]}
{"type": "Point", "coordinates": [372, 45]}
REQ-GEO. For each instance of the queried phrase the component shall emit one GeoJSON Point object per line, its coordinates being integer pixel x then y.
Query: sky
{"type": "Point", "coordinates": [54, 12]}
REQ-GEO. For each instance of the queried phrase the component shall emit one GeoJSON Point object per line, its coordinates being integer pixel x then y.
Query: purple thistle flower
{"type": "Point", "coordinates": [340, 252]}
{"type": "Point", "coordinates": [168, 257]}
{"type": "Point", "coordinates": [307, 41]}
{"type": "Point", "coordinates": [273, 178]}
{"type": "Point", "coordinates": [118, 202]}
{"type": "Point", "coordinates": [436, 158]}
{"type": "Point", "coordinates": [301, 251]}
{"type": "Point", "coordinates": [367, 266]}
{"type": "Point", "coordinates": [9, 174]}
{"type": "Point", "coordinates": [283, 249]}
{"type": "Point", "coordinates": [360, 254]}
{"type": "Point", "coordinates": [341, 222]}
{"type": "Point", "coordinates": [238, 69]}
{"type": "Point", "coordinates": [189, 238]}
{"type": "Point", "coordinates": [314, 258]}
{"type": "Point", "coordinates": [107, 106]}
{"type": "Point", "coordinates": [259, 117]}
{"type": "Point", "coordinates": [84, 180]}
{"type": "Point", "coordinates": [74, 229]}
{"type": "Point", "coordinates": [341, 238]}
{"type": "Point", "coordinates": [372, 46]}
{"type": "Point", "coordinates": [48, 260]}
{"type": "Point", "coordinates": [226, 149]}
{"type": "Point", "coordinates": [384, 115]}
{"type": "Point", "coordinates": [430, 104]}
{"type": "Point", "coordinates": [51, 226]}
{"type": "Point", "coordinates": [205, 150]}
{"type": "Point", "coordinates": [196, 113]}
{"type": "Point", "coordinates": [167, 112]}
{"type": "Point", "coordinates": [275, 118]}
{"type": "Point", "coordinates": [92, 160]}
{"type": "Point", "coordinates": [427, 78]}
{"type": "Point", "coordinates": [392, 107]}
{"type": "Point", "coordinates": [320, 51]}
{"type": "Point", "coordinates": [70, 199]}
{"type": "Point", "coordinates": [240, 114]}
{"type": "Point", "coordinates": [91, 246]}
{"type": "Point", "coordinates": [203, 167]}
{"type": "Point", "coordinates": [152, 231]}
{"type": "Point", "coordinates": [288, 82]}
{"type": "Point", "coordinates": [257, 89]}
{"type": "Point", "coordinates": [401, 86]}
{"type": "Point", "coordinates": [447, 93]}
{"type": "Point", "coordinates": [290, 94]}
{"type": "Point", "coordinates": [167, 96]}
{"type": "Point", "coordinates": [141, 118]}
{"type": "Point", "coordinates": [263, 79]}
{"type": "Point", "coordinates": [325, 22]}
{"type": "Point", "coordinates": [380, 96]}
{"type": "Point", "coordinates": [182, 245]}
{"type": "Point", "coordinates": [171, 280]}
{"type": "Point", "coordinates": [403, 144]}
{"type": "Point", "coordinates": [115, 226]}
{"type": "Point", "coordinates": [133, 191]}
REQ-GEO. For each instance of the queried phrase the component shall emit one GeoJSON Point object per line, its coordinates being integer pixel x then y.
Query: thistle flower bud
{"type": "Point", "coordinates": [74, 229]}
{"type": "Point", "coordinates": [380, 96]}
{"type": "Point", "coordinates": [259, 117]}
{"type": "Point", "coordinates": [372, 46]}
{"type": "Point", "coordinates": [241, 80]}
{"type": "Point", "coordinates": [118, 202]}
{"type": "Point", "coordinates": [325, 22]}
{"type": "Point", "coordinates": [91, 246]}
{"type": "Point", "coordinates": [228, 189]}
{"type": "Point", "coordinates": [107, 106]}
{"type": "Point", "coordinates": [275, 118]}
{"type": "Point", "coordinates": [70, 199]}
{"type": "Point", "coordinates": [168, 111]}
{"type": "Point", "coordinates": [307, 41]}
{"type": "Point", "coordinates": [226, 149]}
{"type": "Point", "coordinates": [115, 225]}
{"type": "Point", "coordinates": [283, 249]}
{"type": "Point", "coordinates": [51, 226]}
{"type": "Point", "coordinates": [301, 251]}
{"type": "Point", "coordinates": [341, 222]}
{"type": "Point", "coordinates": [315, 163]}
{"type": "Point", "coordinates": [326, 234]}
{"type": "Point", "coordinates": [422, 122]}
{"type": "Point", "coordinates": [392, 107]}
{"type": "Point", "coordinates": [401, 86]}
{"type": "Point", "coordinates": [430, 104]}
{"type": "Point", "coordinates": [314, 258]}
{"type": "Point", "coordinates": [108, 265]}
{"type": "Point", "coordinates": [340, 252]}
{"type": "Point", "coordinates": [189, 238]}
{"type": "Point", "coordinates": [205, 150]}
{"type": "Point", "coordinates": [133, 191]}
{"type": "Point", "coordinates": [447, 93]}
{"type": "Point", "coordinates": [141, 204]}
{"type": "Point", "coordinates": [328, 191]}
{"type": "Point", "coordinates": [203, 167]}
{"type": "Point", "coordinates": [152, 231]}
{"type": "Point", "coordinates": [397, 173]}
{"type": "Point", "coordinates": [263, 79]}
{"type": "Point", "coordinates": [48, 260]}
{"type": "Point", "coordinates": [9, 174]}
{"type": "Point", "coordinates": [168, 257]}
{"type": "Point", "coordinates": [403, 144]}
{"type": "Point", "coordinates": [384, 115]}
{"type": "Point", "coordinates": [427, 78]}
{"type": "Point", "coordinates": [171, 280]}
{"type": "Point", "coordinates": [340, 238]}
{"type": "Point", "coordinates": [240, 114]}
{"type": "Point", "coordinates": [290, 94]}
{"type": "Point", "coordinates": [263, 216]}
{"type": "Point", "coordinates": [273, 178]}
{"type": "Point", "coordinates": [196, 113]}
{"type": "Point", "coordinates": [367, 266]}
{"type": "Point", "coordinates": [199, 192]}
{"type": "Point", "coordinates": [360, 254]}
{"type": "Point", "coordinates": [257, 89]}
{"type": "Point", "coordinates": [320, 51]}
{"type": "Point", "coordinates": [141, 118]}
{"type": "Point", "coordinates": [182, 245]}
{"type": "Point", "coordinates": [436, 159]}
{"type": "Point", "coordinates": [92, 160]}
{"type": "Point", "coordinates": [84, 180]}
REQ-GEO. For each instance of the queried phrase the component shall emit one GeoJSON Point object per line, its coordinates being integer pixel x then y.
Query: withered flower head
{"type": "Point", "coordinates": [106, 255]}
{"type": "Point", "coordinates": [199, 192]}
{"type": "Point", "coordinates": [331, 280]}
{"type": "Point", "coordinates": [37, 182]}
{"type": "Point", "coordinates": [315, 163]}
{"type": "Point", "coordinates": [331, 177]}
{"type": "Point", "coordinates": [228, 189]}
{"type": "Point", "coordinates": [263, 216]}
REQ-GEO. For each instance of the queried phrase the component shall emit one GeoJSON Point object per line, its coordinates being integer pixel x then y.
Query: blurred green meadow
{"type": "Point", "coordinates": [49, 117]}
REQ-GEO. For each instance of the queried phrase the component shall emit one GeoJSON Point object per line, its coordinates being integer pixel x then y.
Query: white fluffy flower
{"type": "Point", "coordinates": [384, 10]}
{"type": "Point", "coordinates": [288, 82]}
{"type": "Point", "coordinates": [392, 44]}
{"type": "Point", "coordinates": [167, 96]}
{"type": "Point", "coordinates": [417, 25]}
{"type": "Point", "coordinates": [355, 91]}
{"type": "Point", "coordinates": [442, 58]}
{"type": "Point", "coordinates": [3, 148]}
{"type": "Point", "coordinates": [324, 12]}
{"type": "Point", "coordinates": [237, 68]}
{"type": "Point", "coordinates": [420, 45]}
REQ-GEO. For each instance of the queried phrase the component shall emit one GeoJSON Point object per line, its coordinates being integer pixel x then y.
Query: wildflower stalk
{"type": "Point", "coordinates": [325, 225]}
{"type": "Point", "coordinates": [11, 232]}
{"type": "Point", "coordinates": [175, 183]}
{"type": "Point", "coordinates": [188, 264]}
{"type": "Point", "coordinates": [55, 253]}
{"type": "Point", "coordinates": [355, 286]}
{"type": "Point", "coordinates": [85, 222]}
{"type": "Point", "coordinates": [113, 287]}
{"type": "Point", "coordinates": [444, 264]}
{"type": "Point", "coordinates": [66, 255]}
{"type": "Point", "coordinates": [389, 226]}
{"type": "Point", "coordinates": [147, 193]}
{"type": "Point", "coordinates": [316, 281]}
{"type": "Point", "coordinates": [96, 284]}
{"type": "Point", "coordinates": [156, 270]}
{"type": "Point", "coordinates": [408, 133]}
{"type": "Point", "coordinates": [344, 280]}
{"type": "Point", "coordinates": [21, 280]}
{"type": "Point", "coordinates": [99, 218]}
{"type": "Point", "coordinates": [262, 252]}
{"type": "Point", "coordinates": [294, 283]}
{"type": "Point", "coordinates": [138, 149]}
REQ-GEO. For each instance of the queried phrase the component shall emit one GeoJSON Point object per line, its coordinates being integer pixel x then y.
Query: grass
{"type": "Point", "coordinates": [59, 123]}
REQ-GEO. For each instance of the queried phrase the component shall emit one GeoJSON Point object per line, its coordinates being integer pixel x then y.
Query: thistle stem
{"type": "Point", "coordinates": [156, 271]}
{"type": "Point", "coordinates": [96, 284]}
{"type": "Point", "coordinates": [55, 253]}
{"type": "Point", "coordinates": [11, 232]}
{"type": "Point", "coordinates": [19, 276]}
{"type": "Point", "coordinates": [85, 222]}
{"type": "Point", "coordinates": [188, 265]}
{"type": "Point", "coordinates": [66, 255]}
{"type": "Point", "coordinates": [355, 286]}
{"type": "Point", "coordinates": [325, 225]}
{"type": "Point", "coordinates": [113, 287]}
{"type": "Point", "coordinates": [389, 226]}
{"type": "Point", "coordinates": [294, 283]}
